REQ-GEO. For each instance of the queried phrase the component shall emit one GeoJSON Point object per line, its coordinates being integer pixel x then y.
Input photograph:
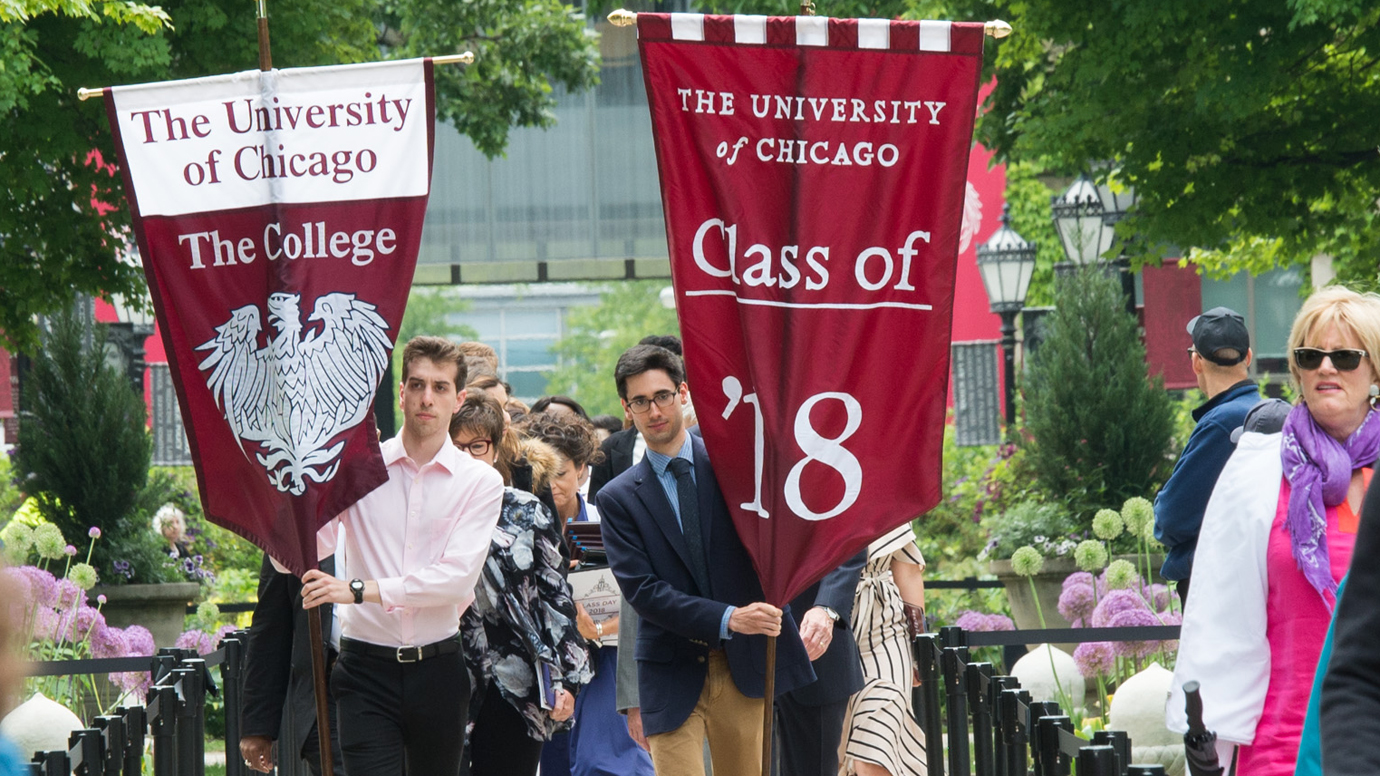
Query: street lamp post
{"type": "Point", "coordinates": [1006, 262]}
{"type": "Point", "coordinates": [1085, 216]}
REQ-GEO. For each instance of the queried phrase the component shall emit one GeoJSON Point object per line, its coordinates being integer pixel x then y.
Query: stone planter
{"type": "Point", "coordinates": [1049, 583]}
{"type": "Point", "coordinates": [160, 608]}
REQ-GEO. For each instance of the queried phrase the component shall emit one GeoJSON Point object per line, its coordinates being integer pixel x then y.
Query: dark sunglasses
{"type": "Point", "coordinates": [1343, 360]}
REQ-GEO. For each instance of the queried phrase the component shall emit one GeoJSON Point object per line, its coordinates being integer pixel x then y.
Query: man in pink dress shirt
{"type": "Point", "coordinates": [413, 552]}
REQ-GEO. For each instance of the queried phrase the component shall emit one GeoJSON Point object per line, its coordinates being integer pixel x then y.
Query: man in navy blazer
{"type": "Point", "coordinates": [701, 647]}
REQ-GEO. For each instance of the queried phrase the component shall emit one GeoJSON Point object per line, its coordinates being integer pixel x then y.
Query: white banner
{"type": "Point", "coordinates": [326, 134]}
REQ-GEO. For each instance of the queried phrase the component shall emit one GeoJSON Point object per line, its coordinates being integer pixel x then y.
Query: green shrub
{"type": "Point", "coordinates": [1100, 429]}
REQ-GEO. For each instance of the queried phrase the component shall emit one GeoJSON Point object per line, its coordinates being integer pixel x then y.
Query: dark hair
{"type": "Point", "coordinates": [608, 423]}
{"type": "Point", "coordinates": [668, 341]}
{"type": "Point", "coordinates": [485, 382]}
{"type": "Point", "coordinates": [571, 437]}
{"type": "Point", "coordinates": [481, 413]}
{"type": "Point", "coordinates": [542, 404]}
{"type": "Point", "coordinates": [438, 350]}
{"type": "Point", "coordinates": [645, 358]}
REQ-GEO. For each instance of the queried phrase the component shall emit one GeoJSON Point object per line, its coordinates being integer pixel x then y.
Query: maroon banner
{"type": "Point", "coordinates": [279, 215]}
{"type": "Point", "coordinates": [812, 174]}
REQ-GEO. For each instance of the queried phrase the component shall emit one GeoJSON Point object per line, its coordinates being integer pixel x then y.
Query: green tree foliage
{"type": "Point", "coordinates": [1246, 127]}
{"type": "Point", "coordinates": [1099, 427]}
{"type": "Point", "coordinates": [54, 240]}
{"type": "Point", "coordinates": [83, 444]}
{"type": "Point", "coordinates": [596, 336]}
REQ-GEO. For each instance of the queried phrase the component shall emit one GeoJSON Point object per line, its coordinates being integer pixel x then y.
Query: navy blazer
{"type": "Point", "coordinates": [649, 559]}
{"type": "Point", "coordinates": [840, 667]}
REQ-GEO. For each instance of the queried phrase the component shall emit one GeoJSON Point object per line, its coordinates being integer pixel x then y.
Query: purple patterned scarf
{"type": "Point", "coordinates": [1319, 468]}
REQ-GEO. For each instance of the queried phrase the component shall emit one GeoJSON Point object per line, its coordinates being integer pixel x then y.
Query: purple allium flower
{"type": "Point", "coordinates": [45, 624]}
{"type": "Point", "coordinates": [69, 595]}
{"type": "Point", "coordinates": [971, 621]}
{"type": "Point", "coordinates": [1134, 618]}
{"type": "Point", "coordinates": [1095, 658]}
{"type": "Point", "coordinates": [195, 640]}
{"type": "Point", "coordinates": [42, 584]}
{"type": "Point", "coordinates": [1077, 602]}
{"type": "Point", "coordinates": [101, 599]}
{"type": "Point", "coordinates": [1078, 578]}
{"type": "Point", "coordinates": [135, 683]}
{"type": "Point", "coordinates": [94, 532]}
{"type": "Point", "coordinates": [140, 641]}
{"type": "Point", "coordinates": [1162, 596]}
{"type": "Point", "coordinates": [1000, 622]}
{"type": "Point", "coordinates": [69, 551]}
{"type": "Point", "coordinates": [108, 642]}
{"type": "Point", "coordinates": [86, 620]}
{"type": "Point", "coordinates": [1115, 602]}
{"type": "Point", "coordinates": [221, 633]}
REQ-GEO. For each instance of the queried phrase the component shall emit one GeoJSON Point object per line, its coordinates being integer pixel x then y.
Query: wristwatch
{"type": "Point", "coordinates": [357, 587]}
{"type": "Point", "coordinates": [833, 615]}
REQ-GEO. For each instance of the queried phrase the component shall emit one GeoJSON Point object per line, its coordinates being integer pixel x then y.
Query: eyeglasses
{"type": "Point", "coordinates": [478, 447]}
{"type": "Point", "coordinates": [1343, 360]}
{"type": "Point", "coordinates": [641, 404]}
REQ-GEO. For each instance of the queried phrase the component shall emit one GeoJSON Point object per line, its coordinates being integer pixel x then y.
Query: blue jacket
{"type": "Point", "coordinates": [1180, 503]}
{"type": "Point", "coordinates": [679, 625]}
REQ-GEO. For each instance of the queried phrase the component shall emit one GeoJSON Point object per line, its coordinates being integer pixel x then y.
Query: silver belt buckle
{"type": "Point", "coordinates": [417, 655]}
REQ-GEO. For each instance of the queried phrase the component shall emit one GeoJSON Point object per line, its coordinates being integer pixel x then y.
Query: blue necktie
{"type": "Point", "coordinates": [690, 523]}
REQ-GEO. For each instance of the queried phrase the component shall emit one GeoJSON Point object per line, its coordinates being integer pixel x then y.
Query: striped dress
{"type": "Point", "coordinates": [880, 725]}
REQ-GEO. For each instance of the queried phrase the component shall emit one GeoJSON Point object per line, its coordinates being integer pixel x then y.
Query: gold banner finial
{"type": "Point", "coordinates": [997, 29]}
{"type": "Point", "coordinates": [622, 18]}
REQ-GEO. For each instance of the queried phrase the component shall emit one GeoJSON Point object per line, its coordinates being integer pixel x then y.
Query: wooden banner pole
{"type": "Point", "coordinates": [318, 672]}
{"type": "Point", "coordinates": [265, 51]}
{"type": "Point", "coordinates": [769, 706]}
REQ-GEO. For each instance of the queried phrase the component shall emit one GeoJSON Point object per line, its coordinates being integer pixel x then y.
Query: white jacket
{"type": "Point", "coordinates": [1223, 644]}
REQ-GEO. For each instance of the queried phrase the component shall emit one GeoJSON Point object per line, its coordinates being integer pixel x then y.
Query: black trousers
{"type": "Point", "coordinates": [398, 718]}
{"type": "Point", "coordinates": [499, 744]}
{"type": "Point", "coordinates": [807, 737]}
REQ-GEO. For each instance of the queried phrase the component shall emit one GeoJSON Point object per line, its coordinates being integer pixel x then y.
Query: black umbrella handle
{"type": "Point", "coordinates": [1193, 705]}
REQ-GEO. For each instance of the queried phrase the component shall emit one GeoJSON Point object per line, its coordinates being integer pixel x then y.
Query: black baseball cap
{"type": "Point", "coordinates": [1219, 328]}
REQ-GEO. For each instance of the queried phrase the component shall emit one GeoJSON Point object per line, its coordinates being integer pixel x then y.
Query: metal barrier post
{"type": "Point", "coordinates": [1055, 762]}
{"type": "Point", "coordinates": [1154, 769]}
{"type": "Point", "coordinates": [191, 717]}
{"type": "Point", "coordinates": [956, 695]}
{"type": "Point", "coordinates": [84, 752]}
{"type": "Point", "coordinates": [1002, 728]}
{"type": "Point", "coordinates": [925, 650]}
{"type": "Point", "coordinates": [112, 744]}
{"type": "Point", "coordinates": [1120, 741]}
{"type": "Point", "coordinates": [54, 763]}
{"type": "Point", "coordinates": [1097, 761]}
{"type": "Point", "coordinates": [1038, 711]}
{"type": "Point", "coordinates": [136, 725]}
{"type": "Point", "coordinates": [979, 702]}
{"type": "Point", "coordinates": [231, 679]}
{"type": "Point", "coordinates": [162, 711]}
{"type": "Point", "coordinates": [1015, 733]}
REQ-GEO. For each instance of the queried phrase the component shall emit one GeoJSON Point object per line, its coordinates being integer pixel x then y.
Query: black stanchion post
{"type": "Point", "coordinates": [1055, 762]}
{"type": "Point", "coordinates": [136, 724]}
{"type": "Point", "coordinates": [1038, 711]}
{"type": "Point", "coordinates": [231, 680]}
{"type": "Point", "coordinates": [191, 717]}
{"type": "Point", "coordinates": [1097, 761]}
{"type": "Point", "coordinates": [54, 764]}
{"type": "Point", "coordinates": [84, 752]}
{"type": "Point", "coordinates": [952, 636]}
{"type": "Point", "coordinates": [112, 744]}
{"type": "Point", "coordinates": [956, 696]}
{"type": "Point", "coordinates": [1120, 742]}
{"type": "Point", "coordinates": [925, 650]}
{"type": "Point", "coordinates": [979, 697]}
{"type": "Point", "coordinates": [162, 716]}
{"type": "Point", "coordinates": [1154, 769]}
{"type": "Point", "coordinates": [1001, 732]}
{"type": "Point", "coordinates": [1014, 738]}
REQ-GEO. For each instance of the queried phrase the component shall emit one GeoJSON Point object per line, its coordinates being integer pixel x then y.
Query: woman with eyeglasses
{"type": "Point", "coordinates": [526, 658]}
{"type": "Point", "coordinates": [1277, 537]}
{"type": "Point", "coordinates": [599, 743]}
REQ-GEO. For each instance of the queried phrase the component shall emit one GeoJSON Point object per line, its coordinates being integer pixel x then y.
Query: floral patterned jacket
{"type": "Point", "coordinates": [523, 618]}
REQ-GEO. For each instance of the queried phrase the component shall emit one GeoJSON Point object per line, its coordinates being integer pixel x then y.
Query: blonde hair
{"type": "Point", "coordinates": [1346, 308]}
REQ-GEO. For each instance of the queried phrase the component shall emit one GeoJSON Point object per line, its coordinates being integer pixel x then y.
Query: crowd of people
{"type": "Point", "coordinates": [457, 645]}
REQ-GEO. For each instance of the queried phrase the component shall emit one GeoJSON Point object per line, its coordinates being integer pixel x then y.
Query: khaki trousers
{"type": "Point", "coordinates": [730, 720]}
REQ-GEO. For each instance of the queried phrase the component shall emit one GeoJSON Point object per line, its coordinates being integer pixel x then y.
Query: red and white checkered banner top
{"type": "Point", "coordinates": [882, 34]}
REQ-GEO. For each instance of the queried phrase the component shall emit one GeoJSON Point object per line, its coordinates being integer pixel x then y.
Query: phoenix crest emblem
{"type": "Point", "coordinates": [293, 396]}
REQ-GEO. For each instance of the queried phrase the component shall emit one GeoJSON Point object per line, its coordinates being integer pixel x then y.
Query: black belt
{"type": "Point", "coordinates": [401, 654]}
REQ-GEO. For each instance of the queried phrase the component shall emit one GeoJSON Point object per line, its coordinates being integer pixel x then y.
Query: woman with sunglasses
{"type": "Point", "coordinates": [1277, 537]}
{"type": "Point", "coordinates": [526, 657]}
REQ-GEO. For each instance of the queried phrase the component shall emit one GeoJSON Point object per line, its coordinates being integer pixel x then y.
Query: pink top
{"type": "Point", "coordinates": [423, 536]}
{"type": "Point", "coordinates": [1297, 621]}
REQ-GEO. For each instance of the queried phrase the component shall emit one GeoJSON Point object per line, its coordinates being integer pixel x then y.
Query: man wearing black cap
{"type": "Point", "coordinates": [1221, 355]}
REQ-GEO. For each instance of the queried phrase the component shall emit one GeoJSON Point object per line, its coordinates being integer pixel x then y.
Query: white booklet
{"type": "Point", "coordinates": [597, 591]}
